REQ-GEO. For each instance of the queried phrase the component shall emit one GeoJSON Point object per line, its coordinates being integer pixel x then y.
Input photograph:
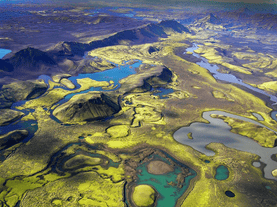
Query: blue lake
{"type": "Point", "coordinates": [115, 75]}
{"type": "Point", "coordinates": [4, 52]}
{"type": "Point", "coordinates": [163, 92]}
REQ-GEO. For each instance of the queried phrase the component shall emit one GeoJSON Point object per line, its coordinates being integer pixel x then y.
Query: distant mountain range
{"type": "Point", "coordinates": [243, 16]}
{"type": "Point", "coordinates": [149, 33]}
{"type": "Point", "coordinates": [31, 59]}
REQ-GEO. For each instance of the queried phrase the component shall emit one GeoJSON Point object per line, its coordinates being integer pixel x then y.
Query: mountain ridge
{"type": "Point", "coordinates": [149, 33]}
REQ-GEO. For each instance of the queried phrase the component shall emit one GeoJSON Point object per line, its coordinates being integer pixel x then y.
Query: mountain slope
{"type": "Point", "coordinates": [5, 66]}
{"type": "Point", "coordinates": [149, 33]}
{"type": "Point", "coordinates": [31, 59]}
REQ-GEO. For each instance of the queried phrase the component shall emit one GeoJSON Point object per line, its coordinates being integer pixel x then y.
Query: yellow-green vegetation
{"type": "Point", "coordinates": [118, 131]}
{"type": "Point", "coordinates": [269, 86]}
{"type": "Point", "coordinates": [8, 116]}
{"type": "Point", "coordinates": [146, 121]}
{"type": "Point", "coordinates": [87, 83]}
{"type": "Point", "coordinates": [80, 160]}
{"type": "Point", "coordinates": [263, 136]}
{"type": "Point", "coordinates": [28, 117]}
{"type": "Point", "coordinates": [57, 78]}
{"type": "Point", "coordinates": [274, 173]}
{"type": "Point", "coordinates": [83, 189]}
{"type": "Point", "coordinates": [14, 189]}
{"type": "Point", "coordinates": [146, 114]}
{"type": "Point", "coordinates": [144, 195]}
{"type": "Point", "coordinates": [101, 64]}
{"type": "Point", "coordinates": [237, 68]}
{"type": "Point", "coordinates": [67, 83]}
{"type": "Point", "coordinates": [212, 191]}
{"type": "Point", "coordinates": [221, 95]}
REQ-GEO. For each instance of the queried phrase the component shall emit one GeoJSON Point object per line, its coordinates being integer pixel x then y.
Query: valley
{"type": "Point", "coordinates": [135, 106]}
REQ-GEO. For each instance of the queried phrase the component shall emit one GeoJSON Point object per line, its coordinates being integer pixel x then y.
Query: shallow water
{"type": "Point", "coordinates": [115, 75]}
{"type": "Point", "coordinates": [168, 194]}
{"type": "Point", "coordinates": [223, 76]}
{"type": "Point", "coordinates": [219, 131]}
{"type": "Point", "coordinates": [222, 173]}
{"type": "Point", "coordinates": [112, 11]}
{"type": "Point", "coordinates": [258, 116]}
{"type": "Point", "coordinates": [4, 52]}
{"type": "Point", "coordinates": [163, 92]}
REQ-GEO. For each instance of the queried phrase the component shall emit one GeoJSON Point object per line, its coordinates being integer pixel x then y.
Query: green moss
{"type": "Point", "coordinates": [263, 136]}
{"type": "Point", "coordinates": [91, 202]}
{"type": "Point", "coordinates": [144, 195]}
{"type": "Point", "coordinates": [118, 131]}
{"type": "Point", "coordinates": [57, 202]}
{"type": "Point", "coordinates": [80, 160]}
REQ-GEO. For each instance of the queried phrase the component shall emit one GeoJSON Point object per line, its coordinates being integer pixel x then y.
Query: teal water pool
{"type": "Point", "coordinates": [166, 184]}
{"type": "Point", "coordinates": [222, 173]}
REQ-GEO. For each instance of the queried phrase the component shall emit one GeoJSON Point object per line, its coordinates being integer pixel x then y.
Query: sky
{"type": "Point", "coordinates": [157, 1]}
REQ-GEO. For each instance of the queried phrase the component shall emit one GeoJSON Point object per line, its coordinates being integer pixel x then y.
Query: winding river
{"type": "Point", "coordinates": [226, 77]}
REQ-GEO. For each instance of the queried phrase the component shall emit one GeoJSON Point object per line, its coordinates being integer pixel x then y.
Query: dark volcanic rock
{"type": "Point", "coordinates": [175, 26]}
{"type": "Point", "coordinates": [158, 76]}
{"type": "Point", "coordinates": [32, 59]}
{"type": "Point", "coordinates": [6, 66]}
{"type": "Point", "coordinates": [12, 138]}
{"type": "Point", "coordinates": [158, 167]}
{"type": "Point", "coordinates": [146, 34]}
{"type": "Point", "coordinates": [86, 107]}
{"type": "Point", "coordinates": [211, 18]}
{"type": "Point", "coordinates": [8, 116]}
{"type": "Point", "coordinates": [152, 49]}
{"type": "Point", "coordinates": [21, 90]}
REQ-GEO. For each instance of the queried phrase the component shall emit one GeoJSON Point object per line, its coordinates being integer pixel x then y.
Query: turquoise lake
{"type": "Point", "coordinates": [222, 173]}
{"type": "Point", "coordinates": [168, 194]}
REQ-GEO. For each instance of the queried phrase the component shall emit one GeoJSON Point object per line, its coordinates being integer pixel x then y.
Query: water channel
{"type": "Point", "coordinates": [218, 131]}
{"type": "Point", "coordinates": [226, 77]}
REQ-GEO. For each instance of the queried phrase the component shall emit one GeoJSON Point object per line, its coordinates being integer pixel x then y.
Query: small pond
{"type": "Point", "coordinates": [162, 92]}
{"type": "Point", "coordinates": [222, 173]}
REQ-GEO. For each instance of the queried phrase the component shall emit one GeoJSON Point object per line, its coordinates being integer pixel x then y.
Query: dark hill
{"type": "Point", "coordinates": [5, 66]}
{"type": "Point", "coordinates": [149, 33]}
{"type": "Point", "coordinates": [31, 59]}
{"type": "Point", "coordinates": [211, 18]}
{"type": "Point", "coordinates": [245, 11]}
{"type": "Point", "coordinates": [177, 27]}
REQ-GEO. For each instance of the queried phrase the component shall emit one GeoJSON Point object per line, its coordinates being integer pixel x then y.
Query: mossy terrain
{"type": "Point", "coordinates": [144, 195]}
{"type": "Point", "coordinates": [263, 136]}
{"type": "Point", "coordinates": [90, 161]}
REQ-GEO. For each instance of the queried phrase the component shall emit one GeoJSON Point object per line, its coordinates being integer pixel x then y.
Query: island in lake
{"type": "Point", "coordinates": [138, 104]}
